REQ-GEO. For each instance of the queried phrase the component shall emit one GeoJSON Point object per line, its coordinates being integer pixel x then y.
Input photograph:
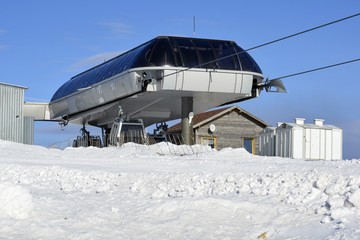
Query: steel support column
{"type": "Point", "coordinates": [186, 126]}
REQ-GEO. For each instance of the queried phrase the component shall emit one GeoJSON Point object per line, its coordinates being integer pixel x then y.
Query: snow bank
{"type": "Point", "coordinates": [15, 201]}
{"type": "Point", "coordinates": [333, 197]}
{"type": "Point", "coordinates": [166, 148]}
{"type": "Point", "coordinates": [158, 192]}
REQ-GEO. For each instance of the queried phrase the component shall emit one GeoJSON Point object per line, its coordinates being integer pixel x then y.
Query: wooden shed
{"type": "Point", "coordinates": [226, 127]}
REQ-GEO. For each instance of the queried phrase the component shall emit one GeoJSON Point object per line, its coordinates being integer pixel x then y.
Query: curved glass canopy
{"type": "Point", "coordinates": [166, 51]}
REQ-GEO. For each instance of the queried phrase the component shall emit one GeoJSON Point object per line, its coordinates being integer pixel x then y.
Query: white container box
{"type": "Point", "coordinates": [302, 141]}
{"type": "Point", "coordinates": [267, 142]}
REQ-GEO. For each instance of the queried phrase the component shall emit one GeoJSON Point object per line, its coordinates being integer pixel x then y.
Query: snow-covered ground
{"type": "Point", "coordinates": [145, 192]}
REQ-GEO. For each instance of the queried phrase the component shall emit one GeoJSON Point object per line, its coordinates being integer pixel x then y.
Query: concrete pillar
{"type": "Point", "coordinates": [186, 128]}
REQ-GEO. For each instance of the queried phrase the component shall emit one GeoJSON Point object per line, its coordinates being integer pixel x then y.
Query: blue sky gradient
{"type": "Point", "coordinates": [45, 43]}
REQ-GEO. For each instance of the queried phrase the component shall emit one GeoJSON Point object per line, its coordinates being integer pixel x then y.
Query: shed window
{"type": "Point", "coordinates": [209, 141]}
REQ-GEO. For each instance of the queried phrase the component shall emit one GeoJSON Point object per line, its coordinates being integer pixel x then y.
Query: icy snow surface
{"type": "Point", "coordinates": [145, 192]}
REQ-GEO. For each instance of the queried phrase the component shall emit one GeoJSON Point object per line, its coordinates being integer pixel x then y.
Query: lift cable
{"type": "Point", "coordinates": [264, 44]}
{"type": "Point", "coordinates": [302, 32]}
{"type": "Point", "coordinates": [316, 69]}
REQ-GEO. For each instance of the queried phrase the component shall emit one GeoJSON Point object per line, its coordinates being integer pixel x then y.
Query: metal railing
{"type": "Point", "coordinates": [80, 141]}
{"type": "Point", "coordinates": [170, 144]}
{"type": "Point", "coordinates": [135, 136]}
{"type": "Point", "coordinates": [174, 144]}
{"type": "Point", "coordinates": [87, 141]}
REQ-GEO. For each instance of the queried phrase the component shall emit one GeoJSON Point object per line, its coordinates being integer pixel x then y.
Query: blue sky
{"type": "Point", "coordinates": [45, 43]}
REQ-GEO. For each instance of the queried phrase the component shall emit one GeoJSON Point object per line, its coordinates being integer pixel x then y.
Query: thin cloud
{"type": "Point", "coordinates": [354, 127]}
{"type": "Point", "coordinates": [351, 136]}
{"type": "Point", "coordinates": [93, 60]}
{"type": "Point", "coordinates": [118, 27]}
{"type": "Point", "coordinates": [4, 47]}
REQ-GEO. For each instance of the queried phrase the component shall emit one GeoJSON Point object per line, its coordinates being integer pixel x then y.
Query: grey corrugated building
{"type": "Point", "coordinates": [14, 126]}
{"type": "Point", "coordinates": [226, 127]}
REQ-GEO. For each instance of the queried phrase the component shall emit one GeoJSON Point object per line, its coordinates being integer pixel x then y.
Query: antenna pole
{"type": "Point", "coordinates": [194, 26]}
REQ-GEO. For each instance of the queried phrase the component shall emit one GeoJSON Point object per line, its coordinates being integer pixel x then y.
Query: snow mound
{"type": "Point", "coordinates": [336, 198]}
{"type": "Point", "coordinates": [166, 148]}
{"type": "Point", "coordinates": [165, 191]}
{"type": "Point", "coordinates": [15, 201]}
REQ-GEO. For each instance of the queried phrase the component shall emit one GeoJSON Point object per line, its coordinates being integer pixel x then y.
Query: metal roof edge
{"type": "Point", "coordinates": [225, 110]}
{"type": "Point", "coordinates": [254, 117]}
{"type": "Point", "coordinates": [310, 126]}
{"type": "Point", "coordinates": [229, 109]}
{"type": "Point", "coordinates": [13, 85]}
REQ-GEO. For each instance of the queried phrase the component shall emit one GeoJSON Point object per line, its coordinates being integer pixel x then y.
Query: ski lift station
{"type": "Point", "coordinates": [163, 79]}
{"type": "Point", "coordinates": [299, 140]}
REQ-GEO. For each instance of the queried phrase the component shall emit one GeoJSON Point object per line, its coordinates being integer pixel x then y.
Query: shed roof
{"type": "Point", "coordinates": [269, 129]}
{"type": "Point", "coordinates": [206, 117]}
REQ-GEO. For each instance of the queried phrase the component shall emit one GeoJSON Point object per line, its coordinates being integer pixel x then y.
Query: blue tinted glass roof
{"type": "Point", "coordinates": [166, 50]}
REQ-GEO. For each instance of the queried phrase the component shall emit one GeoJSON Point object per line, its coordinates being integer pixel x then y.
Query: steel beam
{"type": "Point", "coordinates": [186, 126]}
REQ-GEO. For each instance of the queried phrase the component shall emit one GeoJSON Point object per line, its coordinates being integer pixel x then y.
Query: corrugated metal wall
{"type": "Point", "coordinates": [11, 113]}
{"type": "Point", "coordinates": [28, 130]}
